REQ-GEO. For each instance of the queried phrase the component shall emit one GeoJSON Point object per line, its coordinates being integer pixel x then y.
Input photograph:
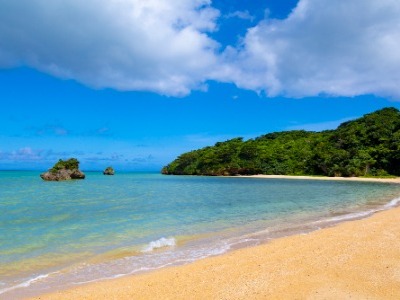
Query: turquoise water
{"type": "Point", "coordinates": [55, 234]}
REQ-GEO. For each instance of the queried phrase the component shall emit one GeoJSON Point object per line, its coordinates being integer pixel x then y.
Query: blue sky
{"type": "Point", "coordinates": [135, 83]}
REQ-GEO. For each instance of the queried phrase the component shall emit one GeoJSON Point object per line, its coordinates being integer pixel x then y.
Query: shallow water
{"type": "Point", "coordinates": [56, 234]}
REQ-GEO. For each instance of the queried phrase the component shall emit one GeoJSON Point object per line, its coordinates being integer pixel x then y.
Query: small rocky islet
{"type": "Point", "coordinates": [109, 171]}
{"type": "Point", "coordinates": [64, 170]}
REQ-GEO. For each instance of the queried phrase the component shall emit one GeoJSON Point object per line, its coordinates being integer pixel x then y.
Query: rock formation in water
{"type": "Point", "coordinates": [64, 170]}
{"type": "Point", "coordinates": [109, 171]}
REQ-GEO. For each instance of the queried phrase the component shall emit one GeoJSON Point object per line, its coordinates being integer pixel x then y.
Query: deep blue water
{"type": "Point", "coordinates": [60, 233]}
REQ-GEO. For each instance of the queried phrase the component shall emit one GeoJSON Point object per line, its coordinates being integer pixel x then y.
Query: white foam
{"type": "Point", "coordinates": [361, 214]}
{"type": "Point", "coordinates": [26, 283]}
{"type": "Point", "coordinates": [345, 217]}
{"type": "Point", "coordinates": [392, 203]}
{"type": "Point", "coordinates": [152, 260]}
{"type": "Point", "coordinates": [160, 243]}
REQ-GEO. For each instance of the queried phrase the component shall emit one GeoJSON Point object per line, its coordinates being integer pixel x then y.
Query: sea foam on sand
{"type": "Point", "coordinates": [357, 259]}
{"type": "Point", "coordinates": [160, 243]}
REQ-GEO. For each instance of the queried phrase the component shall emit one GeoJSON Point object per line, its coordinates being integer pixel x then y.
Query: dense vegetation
{"type": "Point", "coordinates": [70, 164]}
{"type": "Point", "coordinates": [368, 146]}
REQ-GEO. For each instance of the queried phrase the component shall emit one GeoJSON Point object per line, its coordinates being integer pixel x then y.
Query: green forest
{"type": "Point", "coordinates": [70, 164]}
{"type": "Point", "coordinates": [368, 146]}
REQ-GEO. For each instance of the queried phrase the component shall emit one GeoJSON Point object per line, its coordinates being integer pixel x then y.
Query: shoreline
{"type": "Point", "coordinates": [121, 262]}
{"type": "Point", "coordinates": [303, 177]}
{"type": "Point", "coordinates": [326, 263]}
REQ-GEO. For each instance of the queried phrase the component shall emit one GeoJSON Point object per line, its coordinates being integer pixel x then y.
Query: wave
{"type": "Point", "coordinates": [152, 260]}
{"type": "Point", "coordinates": [345, 217]}
{"type": "Point", "coordinates": [160, 243]}
{"type": "Point", "coordinates": [26, 283]}
{"type": "Point", "coordinates": [361, 214]}
{"type": "Point", "coordinates": [392, 203]}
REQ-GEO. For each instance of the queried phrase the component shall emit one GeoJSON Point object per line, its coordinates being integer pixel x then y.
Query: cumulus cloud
{"type": "Point", "coordinates": [340, 48]}
{"type": "Point", "coordinates": [323, 47]}
{"type": "Point", "coordinates": [152, 45]}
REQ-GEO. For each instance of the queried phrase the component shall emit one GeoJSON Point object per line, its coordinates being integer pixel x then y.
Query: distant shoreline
{"type": "Point", "coordinates": [364, 179]}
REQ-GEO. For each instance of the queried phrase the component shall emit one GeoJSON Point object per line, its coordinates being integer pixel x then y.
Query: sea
{"type": "Point", "coordinates": [56, 235]}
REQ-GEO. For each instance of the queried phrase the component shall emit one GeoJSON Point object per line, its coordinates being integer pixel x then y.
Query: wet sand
{"type": "Point", "coordinates": [352, 260]}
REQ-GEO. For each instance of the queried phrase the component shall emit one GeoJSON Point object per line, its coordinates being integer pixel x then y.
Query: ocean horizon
{"type": "Point", "coordinates": [60, 234]}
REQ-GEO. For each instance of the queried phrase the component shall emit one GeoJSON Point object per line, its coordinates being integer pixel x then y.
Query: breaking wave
{"type": "Point", "coordinates": [160, 243]}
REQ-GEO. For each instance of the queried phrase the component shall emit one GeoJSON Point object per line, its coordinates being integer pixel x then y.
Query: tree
{"type": "Point", "coordinates": [366, 146]}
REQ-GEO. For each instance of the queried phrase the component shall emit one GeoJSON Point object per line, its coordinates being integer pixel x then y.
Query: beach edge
{"type": "Point", "coordinates": [304, 177]}
{"type": "Point", "coordinates": [324, 263]}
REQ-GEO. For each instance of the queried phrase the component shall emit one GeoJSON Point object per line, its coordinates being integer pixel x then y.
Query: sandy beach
{"type": "Point", "coordinates": [352, 260]}
{"type": "Point", "coordinates": [365, 179]}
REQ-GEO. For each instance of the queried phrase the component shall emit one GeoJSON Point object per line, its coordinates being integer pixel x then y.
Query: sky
{"type": "Point", "coordinates": [135, 83]}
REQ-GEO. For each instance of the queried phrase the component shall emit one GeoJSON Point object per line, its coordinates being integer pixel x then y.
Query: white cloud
{"type": "Point", "coordinates": [328, 47]}
{"type": "Point", "coordinates": [244, 15]}
{"type": "Point", "coordinates": [340, 48]}
{"type": "Point", "coordinates": [22, 154]}
{"type": "Point", "coordinates": [152, 45]}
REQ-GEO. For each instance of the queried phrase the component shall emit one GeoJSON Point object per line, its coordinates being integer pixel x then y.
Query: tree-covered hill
{"type": "Point", "coordinates": [366, 146]}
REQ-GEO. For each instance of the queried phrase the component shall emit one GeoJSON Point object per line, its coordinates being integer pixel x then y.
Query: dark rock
{"type": "Point", "coordinates": [109, 171]}
{"type": "Point", "coordinates": [64, 170]}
